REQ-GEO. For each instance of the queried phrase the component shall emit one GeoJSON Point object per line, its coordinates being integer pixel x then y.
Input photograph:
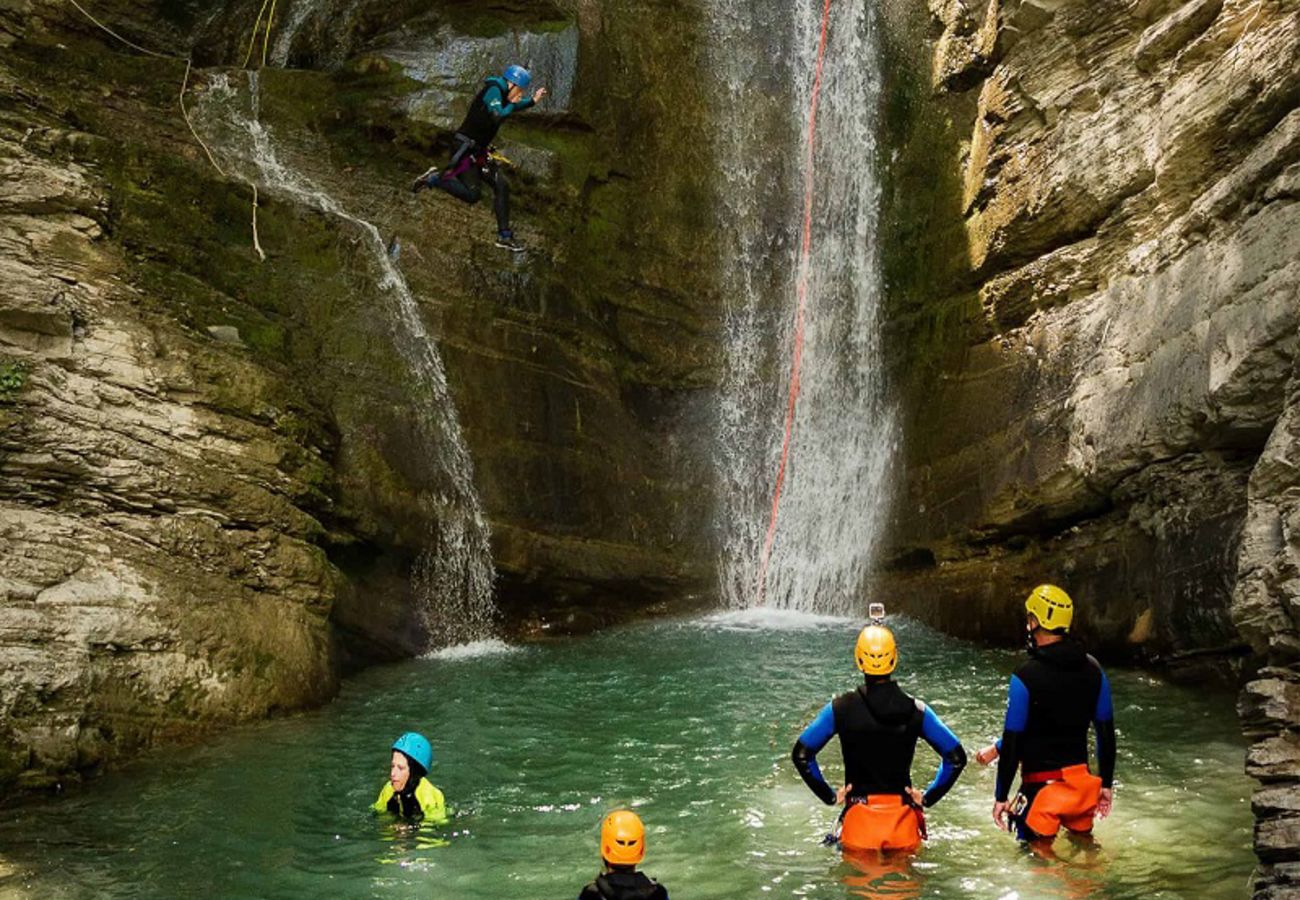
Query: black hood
{"type": "Point", "coordinates": [887, 702]}
{"type": "Point", "coordinates": [1066, 654]}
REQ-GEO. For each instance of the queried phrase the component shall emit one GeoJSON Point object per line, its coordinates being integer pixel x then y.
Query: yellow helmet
{"type": "Point", "coordinates": [622, 838]}
{"type": "Point", "coordinates": [1051, 606]}
{"type": "Point", "coordinates": [876, 652]}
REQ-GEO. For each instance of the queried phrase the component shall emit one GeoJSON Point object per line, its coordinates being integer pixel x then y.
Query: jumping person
{"type": "Point", "coordinates": [878, 725]}
{"type": "Point", "coordinates": [473, 161]}
{"type": "Point", "coordinates": [1051, 701]}
{"type": "Point", "coordinates": [408, 792]}
{"type": "Point", "coordinates": [622, 847]}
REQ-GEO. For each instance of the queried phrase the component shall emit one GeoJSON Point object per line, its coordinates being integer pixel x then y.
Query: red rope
{"type": "Point", "coordinates": [805, 251]}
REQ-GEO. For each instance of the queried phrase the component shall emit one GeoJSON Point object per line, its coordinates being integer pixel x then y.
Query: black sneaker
{"type": "Point", "coordinates": [509, 242]}
{"type": "Point", "coordinates": [424, 181]}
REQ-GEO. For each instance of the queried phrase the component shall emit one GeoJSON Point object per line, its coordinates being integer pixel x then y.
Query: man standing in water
{"type": "Point", "coordinates": [1052, 699]}
{"type": "Point", "coordinates": [879, 726]}
{"type": "Point", "coordinates": [473, 160]}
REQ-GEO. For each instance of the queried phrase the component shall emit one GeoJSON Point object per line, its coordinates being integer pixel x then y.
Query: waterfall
{"type": "Point", "coordinates": [299, 13]}
{"type": "Point", "coordinates": [454, 576]}
{"type": "Point", "coordinates": [834, 499]}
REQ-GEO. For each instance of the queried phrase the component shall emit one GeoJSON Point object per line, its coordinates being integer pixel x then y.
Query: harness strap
{"type": "Point", "coordinates": [1042, 777]}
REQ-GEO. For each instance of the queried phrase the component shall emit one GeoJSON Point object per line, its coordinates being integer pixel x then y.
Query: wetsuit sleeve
{"type": "Point", "coordinates": [1012, 730]}
{"type": "Point", "coordinates": [951, 753]}
{"type": "Point", "coordinates": [431, 801]}
{"type": "Point", "coordinates": [496, 104]}
{"type": "Point", "coordinates": [804, 755]}
{"type": "Point", "coordinates": [1103, 720]}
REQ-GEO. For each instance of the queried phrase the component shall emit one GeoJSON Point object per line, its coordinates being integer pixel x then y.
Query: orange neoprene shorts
{"type": "Point", "coordinates": [883, 822]}
{"type": "Point", "coordinates": [1070, 802]}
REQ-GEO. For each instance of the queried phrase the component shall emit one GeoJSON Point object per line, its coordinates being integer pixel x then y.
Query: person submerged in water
{"type": "Point", "coordinates": [1052, 700]}
{"type": "Point", "coordinates": [408, 792]}
{"type": "Point", "coordinates": [878, 726]}
{"type": "Point", "coordinates": [622, 848]}
{"type": "Point", "coordinates": [473, 161]}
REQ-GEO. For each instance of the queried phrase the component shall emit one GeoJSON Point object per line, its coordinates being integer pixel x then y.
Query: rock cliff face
{"type": "Point", "coordinates": [1094, 267]}
{"type": "Point", "coordinates": [214, 486]}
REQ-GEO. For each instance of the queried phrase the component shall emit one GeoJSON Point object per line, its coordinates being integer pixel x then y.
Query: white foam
{"type": "Point", "coordinates": [472, 650]}
{"type": "Point", "coordinates": [766, 618]}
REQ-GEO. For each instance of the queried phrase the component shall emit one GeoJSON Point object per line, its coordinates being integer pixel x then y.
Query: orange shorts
{"type": "Point", "coordinates": [1070, 802]}
{"type": "Point", "coordinates": [883, 822]}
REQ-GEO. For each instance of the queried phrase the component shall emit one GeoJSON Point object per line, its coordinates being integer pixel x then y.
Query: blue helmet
{"type": "Point", "coordinates": [518, 76]}
{"type": "Point", "coordinates": [416, 747]}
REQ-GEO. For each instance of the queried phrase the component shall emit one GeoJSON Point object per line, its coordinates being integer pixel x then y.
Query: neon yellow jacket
{"type": "Point", "coordinates": [429, 797]}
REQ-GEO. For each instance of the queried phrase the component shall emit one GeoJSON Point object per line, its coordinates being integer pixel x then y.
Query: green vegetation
{"type": "Point", "coordinates": [13, 377]}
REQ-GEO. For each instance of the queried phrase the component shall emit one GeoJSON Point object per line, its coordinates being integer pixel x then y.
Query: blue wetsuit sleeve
{"type": "Point", "coordinates": [1012, 729]}
{"type": "Point", "coordinates": [1103, 720]}
{"type": "Point", "coordinates": [804, 756]}
{"type": "Point", "coordinates": [496, 104]}
{"type": "Point", "coordinates": [951, 753]}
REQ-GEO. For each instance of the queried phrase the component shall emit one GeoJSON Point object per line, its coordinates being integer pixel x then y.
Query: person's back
{"type": "Point", "coordinates": [623, 885]}
{"type": "Point", "coordinates": [1063, 683]}
{"type": "Point", "coordinates": [1052, 700]}
{"type": "Point", "coordinates": [878, 725]}
{"type": "Point", "coordinates": [622, 848]}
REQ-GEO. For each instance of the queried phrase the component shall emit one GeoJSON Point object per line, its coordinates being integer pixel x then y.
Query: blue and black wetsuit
{"type": "Point", "coordinates": [878, 726]}
{"type": "Point", "coordinates": [1052, 700]}
{"type": "Point", "coordinates": [470, 167]}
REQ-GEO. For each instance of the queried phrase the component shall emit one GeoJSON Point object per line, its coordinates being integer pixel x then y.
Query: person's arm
{"type": "Point", "coordinates": [497, 105]}
{"type": "Point", "coordinates": [804, 755]}
{"type": "Point", "coordinates": [1103, 720]}
{"type": "Point", "coordinates": [952, 757]}
{"type": "Point", "coordinates": [1012, 731]}
{"type": "Point", "coordinates": [431, 801]}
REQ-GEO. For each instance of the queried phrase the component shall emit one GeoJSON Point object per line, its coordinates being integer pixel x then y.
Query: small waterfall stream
{"type": "Point", "coordinates": [454, 576]}
{"type": "Point", "coordinates": [299, 13]}
{"type": "Point", "coordinates": [834, 498]}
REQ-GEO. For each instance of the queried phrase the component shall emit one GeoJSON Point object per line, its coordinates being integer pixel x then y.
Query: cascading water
{"type": "Point", "coordinates": [824, 525]}
{"type": "Point", "coordinates": [454, 576]}
{"type": "Point", "coordinates": [299, 13]}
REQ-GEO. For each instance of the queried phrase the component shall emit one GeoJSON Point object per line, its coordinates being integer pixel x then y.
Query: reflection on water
{"type": "Point", "coordinates": [691, 723]}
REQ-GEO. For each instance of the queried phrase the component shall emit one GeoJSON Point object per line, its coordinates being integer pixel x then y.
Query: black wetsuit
{"type": "Point", "coordinates": [470, 166]}
{"type": "Point", "coordinates": [878, 725]}
{"type": "Point", "coordinates": [1052, 700]}
{"type": "Point", "coordinates": [624, 886]}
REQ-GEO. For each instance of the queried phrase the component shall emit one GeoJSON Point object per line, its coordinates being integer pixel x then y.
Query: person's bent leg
{"type": "Point", "coordinates": [463, 188]}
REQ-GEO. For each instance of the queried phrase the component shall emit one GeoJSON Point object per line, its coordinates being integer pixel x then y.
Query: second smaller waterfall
{"type": "Point", "coordinates": [454, 576]}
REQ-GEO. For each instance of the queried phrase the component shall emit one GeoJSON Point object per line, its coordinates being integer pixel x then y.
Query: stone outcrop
{"type": "Point", "coordinates": [1093, 254]}
{"type": "Point", "coordinates": [213, 487]}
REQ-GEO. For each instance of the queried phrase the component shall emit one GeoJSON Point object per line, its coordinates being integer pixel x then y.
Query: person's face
{"type": "Point", "coordinates": [399, 772]}
{"type": "Point", "coordinates": [514, 94]}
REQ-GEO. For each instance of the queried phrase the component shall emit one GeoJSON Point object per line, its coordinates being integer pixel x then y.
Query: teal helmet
{"type": "Point", "coordinates": [518, 76]}
{"type": "Point", "coordinates": [417, 747]}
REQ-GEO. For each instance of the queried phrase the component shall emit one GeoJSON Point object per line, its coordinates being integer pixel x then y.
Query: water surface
{"type": "Point", "coordinates": [689, 722]}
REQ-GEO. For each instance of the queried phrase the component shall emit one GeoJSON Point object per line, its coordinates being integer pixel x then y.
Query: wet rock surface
{"type": "Point", "coordinates": [213, 490]}
{"type": "Point", "coordinates": [1096, 311]}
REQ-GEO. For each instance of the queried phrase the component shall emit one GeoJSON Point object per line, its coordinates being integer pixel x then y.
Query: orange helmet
{"type": "Point", "coordinates": [876, 652]}
{"type": "Point", "coordinates": [622, 838]}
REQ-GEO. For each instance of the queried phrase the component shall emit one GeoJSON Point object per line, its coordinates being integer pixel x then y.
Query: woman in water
{"type": "Point", "coordinates": [408, 793]}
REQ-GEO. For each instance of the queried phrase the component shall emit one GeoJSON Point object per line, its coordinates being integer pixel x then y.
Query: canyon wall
{"type": "Point", "coordinates": [219, 485]}
{"type": "Point", "coordinates": [1093, 257]}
